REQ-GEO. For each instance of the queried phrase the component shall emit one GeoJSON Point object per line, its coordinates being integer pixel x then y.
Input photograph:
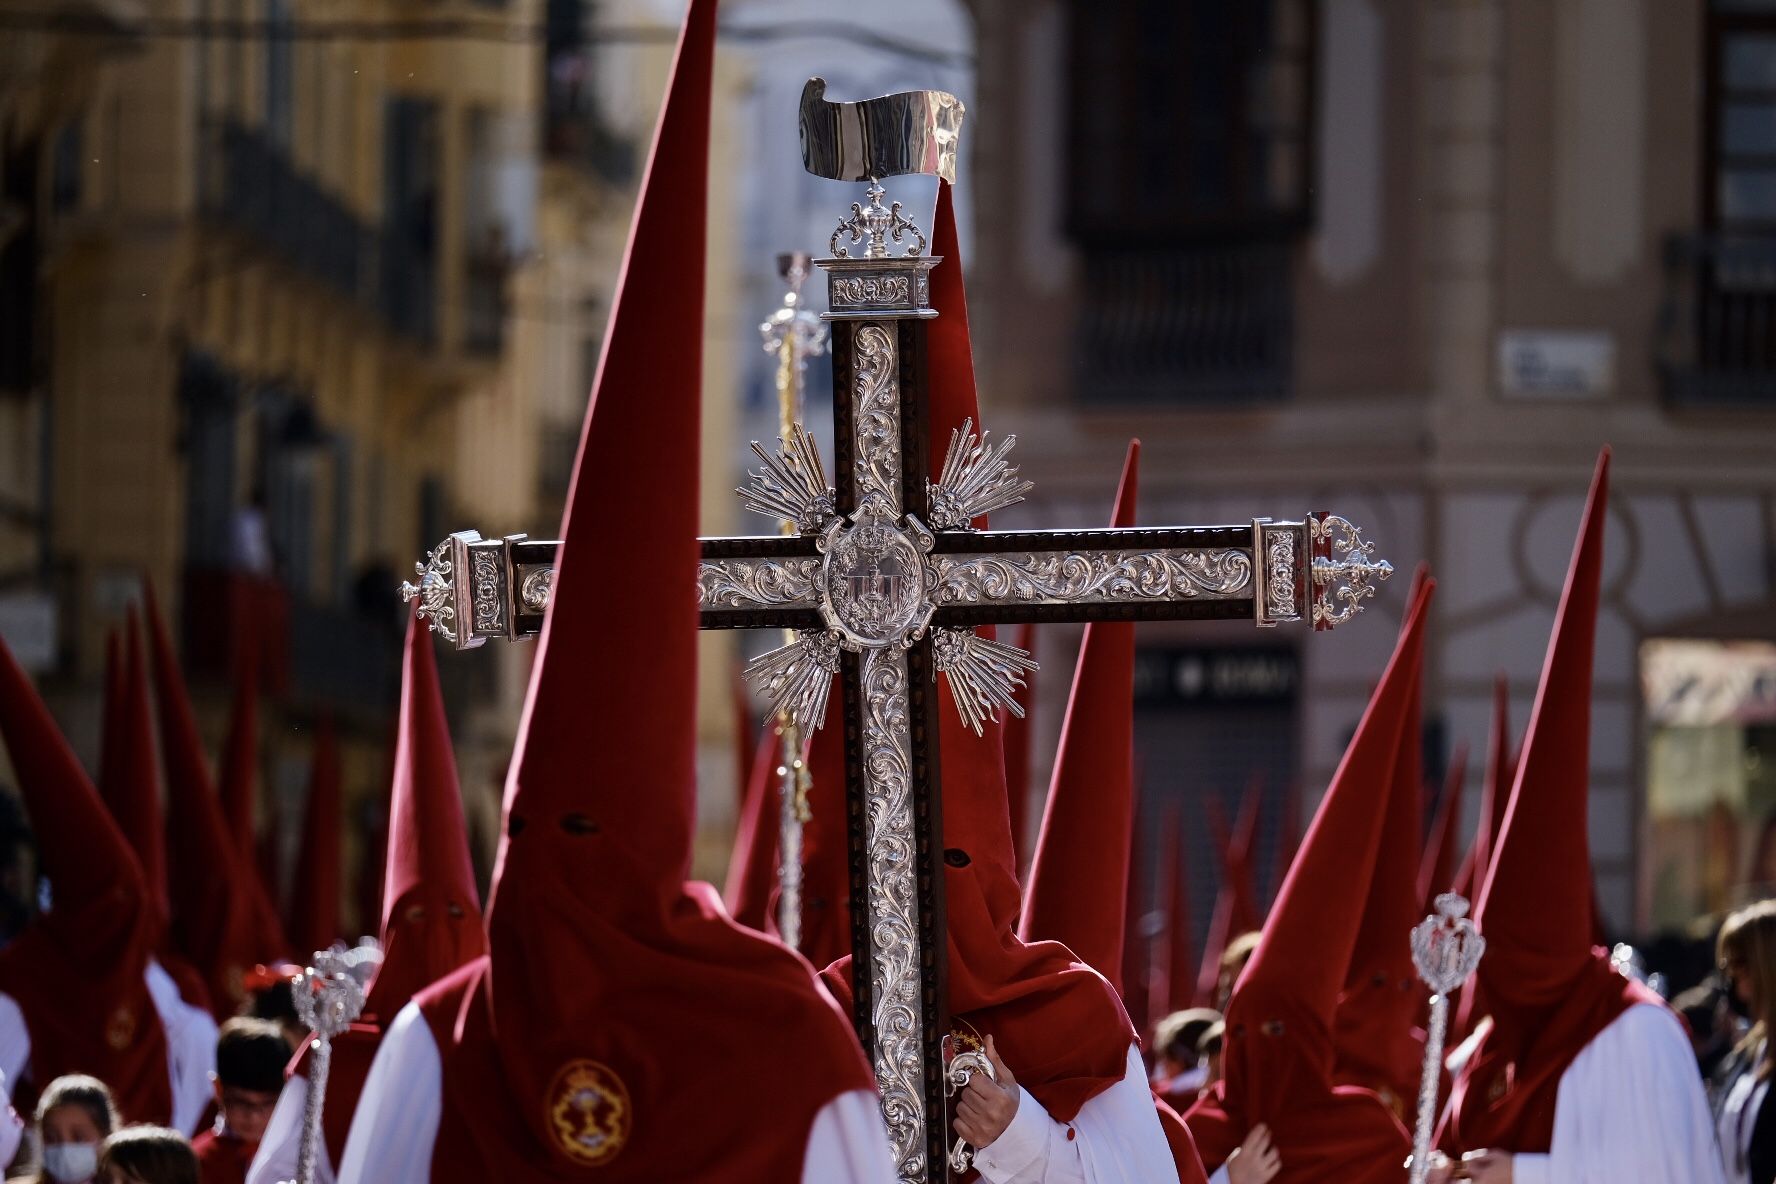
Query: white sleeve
{"type": "Point", "coordinates": [1116, 1137]}
{"type": "Point", "coordinates": [396, 1126]}
{"type": "Point", "coordinates": [1221, 1176]}
{"type": "Point", "coordinates": [848, 1143]}
{"type": "Point", "coordinates": [1630, 1107]}
{"type": "Point", "coordinates": [281, 1144]}
{"type": "Point", "coordinates": [191, 1048]}
{"type": "Point", "coordinates": [15, 1041]}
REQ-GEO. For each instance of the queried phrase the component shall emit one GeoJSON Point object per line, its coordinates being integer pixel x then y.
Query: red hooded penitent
{"type": "Point", "coordinates": [218, 922]}
{"type": "Point", "coordinates": [431, 917]}
{"type": "Point", "coordinates": [77, 970]}
{"type": "Point", "coordinates": [1548, 990]}
{"type": "Point", "coordinates": [1279, 1053]}
{"type": "Point", "coordinates": [1079, 877]}
{"type": "Point", "coordinates": [1375, 1038]}
{"type": "Point", "coordinates": [617, 997]}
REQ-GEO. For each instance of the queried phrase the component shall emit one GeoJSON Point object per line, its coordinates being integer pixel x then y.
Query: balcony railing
{"type": "Point", "coordinates": [1717, 323]}
{"type": "Point", "coordinates": [1191, 324]}
{"type": "Point", "coordinates": [484, 302]}
{"type": "Point", "coordinates": [249, 184]}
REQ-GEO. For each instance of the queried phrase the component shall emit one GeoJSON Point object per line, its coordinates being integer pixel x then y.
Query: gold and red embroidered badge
{"type": "Point", "coordinates": [120, 1029]}
{"type": "Point", "coordinates": [589, 1112]}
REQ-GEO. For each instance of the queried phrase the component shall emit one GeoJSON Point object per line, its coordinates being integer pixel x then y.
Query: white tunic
{"type": "Point", "coordinates": [1116, 1137]}
{"type": "Point", "coordinates": [1630, 1107]}
{"type": "Point", "coordinates": [396, 1125]}
{"type": "Point", "coordinates": [191, 1049]}
{"type": "Point", "coordinates": [275, 1160]}
{"type": "Point", "coordinates": [190, 1040]}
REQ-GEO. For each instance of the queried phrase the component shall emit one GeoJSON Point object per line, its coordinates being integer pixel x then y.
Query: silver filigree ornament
{"type": "Point", "coordinates": [435, 591]}
{"type": "Point", "coordinates": [792, 485]}
{"type": "Point", "coordinates": [1092, 577]}
{"type": "Point", "coordinates": [1446, 949]}
{"type": "Point", "coordinates": [877, 224]}
{"type": "Point", "coordinates": [796, 679]}
{"type": "Point", "coordinates": [327, 996]}
{"type": "Point", "coordinates": [984, 675]}
{"type": "Point", "coordinates": [975, 480]}
{"type": "Point", "coordinates": [1350, 575]}
{"type": "Point", "coordinates": [958, 1072]}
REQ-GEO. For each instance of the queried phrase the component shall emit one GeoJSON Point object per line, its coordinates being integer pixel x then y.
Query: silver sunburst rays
{"type": "Point", "coordinates": [877, 586]}
{"type": "Point", "coordinates": [984, 675]}
{"type": "Point", "coordinates": [792, 485]}
{"type": "Point", "coordinates": [975, 480]}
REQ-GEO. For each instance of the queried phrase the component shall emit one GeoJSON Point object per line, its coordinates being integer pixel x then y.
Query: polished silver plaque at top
{"type": "Point", "coordinates": [911, 132]}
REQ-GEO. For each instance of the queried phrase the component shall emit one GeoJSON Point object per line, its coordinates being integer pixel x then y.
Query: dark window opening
{"type": "Point", "coordinates": [1190, 145]}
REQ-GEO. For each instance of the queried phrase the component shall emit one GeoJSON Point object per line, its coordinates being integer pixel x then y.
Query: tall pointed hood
{"type": "Point", "coordinates": [1279, 1052]}
{"type": "Point", "coordinates": [76, 971]}
{"type": "Point", "coordinates": [1059, 1023]}
{"type": "Point", "coordinates": [314, 897]}
{"type": "Point", "coordinates": [1495, 793]}
{"type": "Point", "coordinates": [1436, 871]}
{"type": "Point", "coordinates": [1548, 990]}
{"type": "Point", "coordinates": [1079, 877]}
{"type": "Point", "coordinates": [1018, 740]}
{"type": "Point", "coordinates": [752, 868]}
{"type": "Point", "coordinates": [1180, 941]}
{"type": "Point", "coordinates": [136, 805]}
{"type": "Point", "coordinates": [111, 758]}
{"type": "Point", "coordinates": [217, 924]}
{"type": "Point", "coordinates": [431, 915]}
{"type": "Point", "coordinates": [605, 966]}
{"type": "Point", "coordinates": [1235, 912]}
{"type": "Point", "coordinates": [1140, 994]}
{"type": "Point", "coordinates": [1375, 1045]}
{"type": "Point", "coordinates": [240, 760]}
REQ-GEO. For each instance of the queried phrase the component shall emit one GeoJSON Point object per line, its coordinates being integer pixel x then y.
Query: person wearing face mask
{"type": "Point", "coordinates": [147, 1155]}
{"type": "Point", "coordinates": [1744, 1119]}
{"type": "Point", "coordinates": [74, 1116]}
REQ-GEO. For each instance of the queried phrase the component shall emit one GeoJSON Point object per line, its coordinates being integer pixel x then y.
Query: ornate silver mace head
{"type": "Point", "coordinates": [1447, 948]}
{"type": "Point", "coordinates": [328, 995]}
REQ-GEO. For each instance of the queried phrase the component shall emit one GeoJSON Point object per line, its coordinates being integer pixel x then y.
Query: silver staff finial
{"type": "Point", "coordinates": [328, 997]}
{"type": "Point", "coordinates": [1446, 949]}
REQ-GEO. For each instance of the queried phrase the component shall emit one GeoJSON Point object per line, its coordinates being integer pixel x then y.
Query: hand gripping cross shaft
{"type": "Point", "coordinates": [1446, 949]}
{"type": "Point", "coordinates": [328, 997]}
{"type": "Point", "coordinates": [885, 582]}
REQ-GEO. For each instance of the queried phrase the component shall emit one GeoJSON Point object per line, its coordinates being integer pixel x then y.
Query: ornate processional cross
{"type": "Point", "coordinates": [885, 580]}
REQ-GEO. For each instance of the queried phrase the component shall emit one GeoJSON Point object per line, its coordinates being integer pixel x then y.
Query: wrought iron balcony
{"type": "Point", "coordinates": [1717, 322]}
{"type": "Point", "coordinates": [249, 184]}
{"type": "Point", "coordinates": [1196, 324]}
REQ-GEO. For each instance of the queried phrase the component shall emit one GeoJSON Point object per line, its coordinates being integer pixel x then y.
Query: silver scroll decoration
{"type": "Point", "coordinates": [1093, 577]}
{"type": "Point", "coordinates": [743, 584]}
{"type": "Point", "coordinates": [958, 1071]}
{"type": "Point", "coordinates": [328, 996]}
{"type": "Point", "coordinates": [1348, 575]}
{"type": "Point", "coordinates": [435, 591]}
{"type": "Point", "coordinates": [891, 852]}
{"type": "Point", "coordinates": [1446, 949]}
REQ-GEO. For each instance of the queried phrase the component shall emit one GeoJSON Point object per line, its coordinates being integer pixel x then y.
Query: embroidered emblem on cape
{"type": "Point", "coordinates": [589, 1112]}
{"type": "Point", "coordinates": [120, 1029]}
